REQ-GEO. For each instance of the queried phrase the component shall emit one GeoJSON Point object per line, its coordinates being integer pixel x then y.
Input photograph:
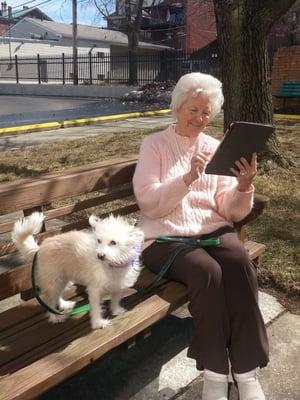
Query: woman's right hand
{"type": "Point", "coordinates": [198, 164]}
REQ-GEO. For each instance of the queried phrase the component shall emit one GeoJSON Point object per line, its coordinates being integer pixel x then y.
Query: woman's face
{"type": "Point", "coordinates": [193, 115]}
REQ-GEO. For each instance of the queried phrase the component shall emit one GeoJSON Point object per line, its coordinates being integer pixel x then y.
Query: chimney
{"type": "Point", "coordinates": [9, 12]}
{"type": "Point", "coordinates": [4, 10]}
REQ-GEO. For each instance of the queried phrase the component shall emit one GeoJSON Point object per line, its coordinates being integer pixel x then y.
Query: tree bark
{"type": "Point", "coordinates": [133, 26]}
{"type": "Point", "coordinates": [242, 28]}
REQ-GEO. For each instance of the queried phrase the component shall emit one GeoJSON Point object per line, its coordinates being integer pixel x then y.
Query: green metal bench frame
{"type": "Point", "coordinates": [289, 90]}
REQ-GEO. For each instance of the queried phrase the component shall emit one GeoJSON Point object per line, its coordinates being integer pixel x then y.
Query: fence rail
{"type": "Point", "coordinates": [102, 68]}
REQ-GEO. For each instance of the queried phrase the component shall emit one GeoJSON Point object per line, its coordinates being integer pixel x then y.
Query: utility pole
{"type": "Point", "coordinates": [75, 52]}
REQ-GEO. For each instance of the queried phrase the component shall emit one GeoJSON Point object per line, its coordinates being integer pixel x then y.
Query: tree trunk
{"type": "Point", "coordinates": [133, 26]}
{"type": "Point", "coordinates": [245, 68]}
{"type": "Point", "coordinates": [132, 56]}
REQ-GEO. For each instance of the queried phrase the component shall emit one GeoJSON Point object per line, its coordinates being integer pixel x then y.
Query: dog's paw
{"type": "Point", "coordinates": [55, 318]}
{"type": "Point", "coordinates": [118, 310]}
{"type": "Point", "coordinates": [100, 323]}
{"type": "Point", "coordinates": [66, 305]}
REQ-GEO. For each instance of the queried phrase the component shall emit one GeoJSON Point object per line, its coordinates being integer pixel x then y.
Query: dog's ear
{"type": "Point", "coordinates": [93, 221]}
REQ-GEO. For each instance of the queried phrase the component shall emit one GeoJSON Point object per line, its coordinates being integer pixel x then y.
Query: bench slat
{"type": "Point", "coordinates": [75, 207]}
{"type": "Point", "coordinates": [289, 89]}
{"type": "Point", "coordinates": [30, 308]}
{"type": "Point", "coordinates": [41, 375]}
{"type": "Point", "coordinates": [255, 249]}
{"type": "Point", "coordinates": [31, 193]}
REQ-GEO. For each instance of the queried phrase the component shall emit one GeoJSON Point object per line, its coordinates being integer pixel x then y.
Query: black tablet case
{"type": "Point", "coordinates": [241, 139]}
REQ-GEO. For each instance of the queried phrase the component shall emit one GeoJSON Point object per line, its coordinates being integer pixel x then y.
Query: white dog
{"type": "Point", "coordinates": [101, 259]}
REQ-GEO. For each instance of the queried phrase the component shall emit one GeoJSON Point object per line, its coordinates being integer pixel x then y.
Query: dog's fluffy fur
{"type": "Point", "coordinates": [100, 259]}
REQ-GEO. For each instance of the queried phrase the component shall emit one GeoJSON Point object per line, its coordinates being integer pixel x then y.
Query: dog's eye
{"type": "Point", "coordinates": [113, 243]}
{"type": "Point", "coordinates": [99, 241]}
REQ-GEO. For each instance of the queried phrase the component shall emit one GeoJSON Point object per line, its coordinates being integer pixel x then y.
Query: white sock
{"type": "Point", "coordinates": [214, 376]}
{"type": "Point", "coordinates": [215, 386]}
{"type": "Point", "coordinates": [246, 376]}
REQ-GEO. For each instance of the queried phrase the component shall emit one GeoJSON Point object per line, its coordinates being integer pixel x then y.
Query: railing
{"type": "Point", "coordinates": [101, 68]}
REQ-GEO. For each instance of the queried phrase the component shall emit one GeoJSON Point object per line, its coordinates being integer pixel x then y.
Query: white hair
{"type": "Point", "coordinates": [194, 83]}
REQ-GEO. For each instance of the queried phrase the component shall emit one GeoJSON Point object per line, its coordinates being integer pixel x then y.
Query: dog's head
{"type": "Point", "coordinates": [118, 242]}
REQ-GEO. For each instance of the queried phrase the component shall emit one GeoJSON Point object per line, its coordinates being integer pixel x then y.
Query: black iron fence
{"type": "Point", "coordinates": [100, 68]}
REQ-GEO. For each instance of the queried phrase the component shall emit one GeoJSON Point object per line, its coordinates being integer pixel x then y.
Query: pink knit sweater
{"type": "Point", "coordinates": [168, 206]}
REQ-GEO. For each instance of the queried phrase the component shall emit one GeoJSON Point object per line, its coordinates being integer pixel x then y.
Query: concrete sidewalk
{"type": "Point", "coordinates": [157, 368]}
{"type": "Point", "coordinates": [20, 140]}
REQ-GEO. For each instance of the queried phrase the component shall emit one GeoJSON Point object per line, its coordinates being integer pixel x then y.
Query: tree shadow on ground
{"type": "Point", "coordinates": [19, 171]}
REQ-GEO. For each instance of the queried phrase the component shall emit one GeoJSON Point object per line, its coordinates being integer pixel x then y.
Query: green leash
{"type": "Point", "coordinates": [186, 242]}
{"type": "Point", "coordinates": [214, 241]}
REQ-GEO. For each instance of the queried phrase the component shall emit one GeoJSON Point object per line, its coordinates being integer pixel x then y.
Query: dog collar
{"type": "Point", "coordinates": [134, 263]}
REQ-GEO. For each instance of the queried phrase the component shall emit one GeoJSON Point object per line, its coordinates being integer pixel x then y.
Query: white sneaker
{"type": "Point", "coordinates": [250, 390]}
{"type": "Point", "coordinates": [214, 390]}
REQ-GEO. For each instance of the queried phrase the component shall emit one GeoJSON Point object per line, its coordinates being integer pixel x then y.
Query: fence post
{"type": "Point", "coordinates": [163, 66]}
{"type": "Point", "coordinates": [63, 68]}
{"type": "Point", "coordinates": [38, 68]}
{"type": "Point", "coordinates": [90, 65]}
{"type": "Point", "coordinates": [17, 70]}
{"type": "Point", "coordinates": [132, 66]}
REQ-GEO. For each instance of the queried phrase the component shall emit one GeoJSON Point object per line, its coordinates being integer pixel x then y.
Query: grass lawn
{"type": "Point", "coordinates": [278, 227]}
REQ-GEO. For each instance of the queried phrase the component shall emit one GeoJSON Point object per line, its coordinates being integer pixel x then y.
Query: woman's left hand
{"type": "Point", "coordinates": [245, 172]}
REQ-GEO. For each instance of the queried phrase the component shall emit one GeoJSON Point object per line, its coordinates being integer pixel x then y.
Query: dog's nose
{"type": "Point", "coordinates": [101, 256]}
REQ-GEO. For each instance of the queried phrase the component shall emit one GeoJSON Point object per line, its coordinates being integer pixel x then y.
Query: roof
{"type": "Point", "coordinates": [22, 12]}
{"type": "Point", "coordinates": [92, 33]}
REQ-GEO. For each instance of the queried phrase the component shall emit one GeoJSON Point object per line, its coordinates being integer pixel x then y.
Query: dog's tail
{"type": "Point", "coordinates": [23, 232]}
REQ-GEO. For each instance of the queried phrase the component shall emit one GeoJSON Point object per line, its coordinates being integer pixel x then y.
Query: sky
{"type": "Point", "coordinates": [61, 10]}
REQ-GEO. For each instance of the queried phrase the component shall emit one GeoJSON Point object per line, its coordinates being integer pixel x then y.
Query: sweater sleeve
{"type": "Point", "coordinates": [231, 203]}
{"type": "Point", "coordinates": [154, 197]}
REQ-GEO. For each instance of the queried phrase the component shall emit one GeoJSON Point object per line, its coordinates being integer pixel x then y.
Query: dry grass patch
{"type": "Point", "coordinates": [279, 226]}
{"type": "Point", "coordinates": [36, 160]}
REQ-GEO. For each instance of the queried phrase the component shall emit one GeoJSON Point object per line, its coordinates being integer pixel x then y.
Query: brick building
{"type": "Point", "coordinates": [181, 24]}
{"type": "Point", "coordinates": [190, 24]}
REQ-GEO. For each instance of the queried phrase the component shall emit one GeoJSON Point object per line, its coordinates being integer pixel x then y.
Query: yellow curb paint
{"type": "Point", "coordinates": [80, 121]}
{"type": "Point", "coordinates": [90, 120]}
{"type": "Point", "coordinates": [285, 116]}
{"type": "Point", "coordinates": [27, 128]}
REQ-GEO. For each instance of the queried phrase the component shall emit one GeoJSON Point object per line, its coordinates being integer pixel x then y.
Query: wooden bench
{"type": "Point", "coordinates": [36, 355]}
{"type": "Point", "coordinates": [289, 90]}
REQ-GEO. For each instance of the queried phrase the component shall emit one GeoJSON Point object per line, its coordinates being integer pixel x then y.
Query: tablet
{"type": "Point", "coordinates": [241, 139]}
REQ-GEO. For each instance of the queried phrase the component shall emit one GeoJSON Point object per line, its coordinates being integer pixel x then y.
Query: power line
{"type": "Point", "coordinates": [23, 4]}
{"type": "Point", "coordinates": [31, 8]}
{"type": "Point", "coordinates": [28, 8]}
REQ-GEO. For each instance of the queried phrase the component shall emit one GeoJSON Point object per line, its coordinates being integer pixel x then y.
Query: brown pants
{"type": "Point", "coordinates": [222, 289]}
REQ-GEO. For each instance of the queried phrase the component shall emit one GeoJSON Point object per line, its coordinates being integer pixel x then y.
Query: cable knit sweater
{"type": "Point", "coordinates": [170, 207]}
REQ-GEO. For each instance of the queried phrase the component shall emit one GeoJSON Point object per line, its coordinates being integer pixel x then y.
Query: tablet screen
{"type": "Point", "coordinates": [242, 139]}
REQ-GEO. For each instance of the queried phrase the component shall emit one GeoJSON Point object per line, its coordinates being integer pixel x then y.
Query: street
{"type": "Point", "coordinates": [26, 110]}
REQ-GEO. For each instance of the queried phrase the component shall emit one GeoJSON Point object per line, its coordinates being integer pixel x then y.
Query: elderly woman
{"type": "Point", "coordinates": [178, 199]}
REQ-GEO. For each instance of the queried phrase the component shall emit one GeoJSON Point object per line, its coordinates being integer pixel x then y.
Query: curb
{"type": "Point", "coordinates": [295, 117]}
{"type": "Point", "coordinates": [46, 126]}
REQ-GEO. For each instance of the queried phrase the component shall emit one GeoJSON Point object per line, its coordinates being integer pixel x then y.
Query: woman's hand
{"type": "Point", "coordinates": [198, 164]}
{"type": "Point", "coordinates": [245, 172]}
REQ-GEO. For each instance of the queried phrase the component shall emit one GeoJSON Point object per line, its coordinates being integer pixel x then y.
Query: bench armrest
{"type": "Point", "coordinates": [259, 204]}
